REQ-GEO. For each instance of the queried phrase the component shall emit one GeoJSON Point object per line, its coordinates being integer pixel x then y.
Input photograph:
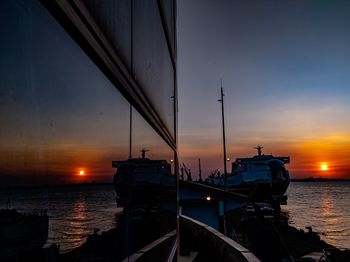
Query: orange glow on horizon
{"type": "Point", "coordinates": [307, 155]}
{"type": "Point", "coordinates": [322, 157]}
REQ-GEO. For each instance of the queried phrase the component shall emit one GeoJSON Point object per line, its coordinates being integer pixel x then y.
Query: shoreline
{"type": "Point", "coordinates": [78, 185]}
{"type": "Point", "coordinates": [319, 179]}
{"type": "Point", "coordinates": [88, 184]}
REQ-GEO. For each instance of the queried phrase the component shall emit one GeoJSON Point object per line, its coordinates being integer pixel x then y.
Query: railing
{"type": "Point", "coordinates": [159, 250]}
{"type": "Point", "coordinates": [198, 242]}
{"type": "Point", "coordinates": [209, 244]}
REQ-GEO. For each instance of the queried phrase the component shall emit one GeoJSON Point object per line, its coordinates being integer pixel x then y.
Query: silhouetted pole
{"type": "Point", "coordinates": [130, 134]}
{"type": "Point", "coordinates": [200, 170]}
{"type": "Point", "coordinates": [223, 135]}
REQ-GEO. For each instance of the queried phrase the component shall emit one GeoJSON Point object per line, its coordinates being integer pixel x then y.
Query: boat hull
{"type": "Point", "coordinates": [144, 182]}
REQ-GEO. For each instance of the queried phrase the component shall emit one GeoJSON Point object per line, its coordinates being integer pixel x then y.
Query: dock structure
{"type": "Point", "coordinates": [158, 248]}
{"type": "Point", "coordinates": [208, 204]}
{"type": "Point", "coordinates": [206, 242]}
{"type": "Point", "coordinates": [198, 242]}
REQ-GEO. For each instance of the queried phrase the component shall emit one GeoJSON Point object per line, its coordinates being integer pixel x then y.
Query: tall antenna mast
{"type": "Point", "coordinates": [130, 134]}
{"type": "Point", "coordinates": [200, 170]}
{"type": "Point", "coordinates": [221, 100]}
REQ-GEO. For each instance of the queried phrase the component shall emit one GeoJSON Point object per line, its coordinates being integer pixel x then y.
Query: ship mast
{"type": "Point", "coordinates": [130, 133]}
{"type": "Point", "coordinates": [200, 170]}
{"type": "Point", "coordinates": [221, 100]}
{"type": "Point", "coordinates": [259, 148]}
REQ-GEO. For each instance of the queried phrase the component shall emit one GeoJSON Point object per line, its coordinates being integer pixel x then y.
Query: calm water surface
{"type": "Point", "coordinates": [323, 205]}
{"type": "Point", "coordinates": [74, 211]}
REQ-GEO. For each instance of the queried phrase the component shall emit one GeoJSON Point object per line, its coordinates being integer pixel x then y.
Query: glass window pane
{"type": "Point", "coordinates": [54, 118]}
{"type": "Point", "coordinates": [62, 122]}
{"type": "Point", "coordinates": [168, 7]}
{"type": "Point", "coordinates": [114, 19]}
{"type": "Point", "coordinates": [152, 64]}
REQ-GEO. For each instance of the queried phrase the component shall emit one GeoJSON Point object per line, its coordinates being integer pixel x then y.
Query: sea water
{"type": "Point", "coordinates": [75, 212]}
{"type": "Point", "coordinates": [325, 206]}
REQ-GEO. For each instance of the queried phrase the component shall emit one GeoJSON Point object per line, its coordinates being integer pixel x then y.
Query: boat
{"type": "Point", "coordinates": [262, 177]}
{"type": "Point", "coordinates": [22, 234]}
{"type": "Point", "coordinates": [141, 180]}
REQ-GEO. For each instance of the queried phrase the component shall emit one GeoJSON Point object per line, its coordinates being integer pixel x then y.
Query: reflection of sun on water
{"type": "Point", "coordinates": [329, 218]}
{"type": "Point", "coordinates": [76, 223]}
{"type": "Point", "coordinates": [326, 209]}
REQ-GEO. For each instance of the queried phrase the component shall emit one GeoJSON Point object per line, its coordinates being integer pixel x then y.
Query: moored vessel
{"type": "Point", "coordinates": [143, 181]}
{"type": "Point", "coordinates": [261, 177]}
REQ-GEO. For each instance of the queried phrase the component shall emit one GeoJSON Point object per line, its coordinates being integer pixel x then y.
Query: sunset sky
{"type": "Point", "coordinates": [285, 67]}
{"type": "Point", "coordinates": [58, 113]}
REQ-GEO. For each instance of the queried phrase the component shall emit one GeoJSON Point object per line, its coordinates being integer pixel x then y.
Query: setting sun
{"type": "Point", "coordinates": [81, 173]}
{"type": "Point", "coordinates": [324, 167]}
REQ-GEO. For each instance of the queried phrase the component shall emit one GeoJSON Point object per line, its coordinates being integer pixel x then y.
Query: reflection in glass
{"type": "Point", "coordinates": [54, 121]}
{"type": "Point", "coordinates": [153, 68]}
{"type": "Point", "coordinates": [63, 122]}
